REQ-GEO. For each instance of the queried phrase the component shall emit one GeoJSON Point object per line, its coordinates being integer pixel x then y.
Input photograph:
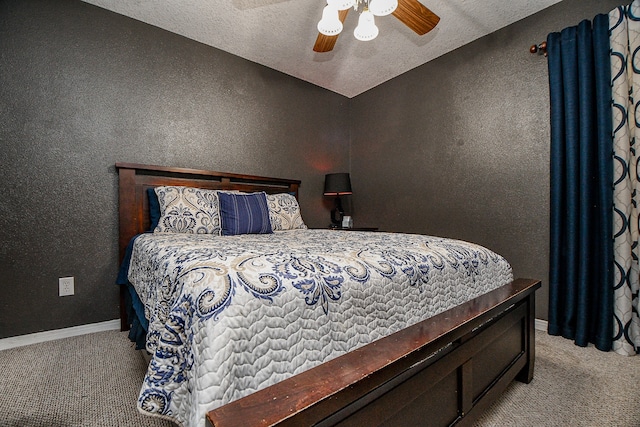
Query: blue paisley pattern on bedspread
{"type": "Point", "coordinates": [229, 315]}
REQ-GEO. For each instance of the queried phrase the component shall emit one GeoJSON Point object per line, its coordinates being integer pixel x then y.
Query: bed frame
{"type": "Point", "coordinates": [442, 371]}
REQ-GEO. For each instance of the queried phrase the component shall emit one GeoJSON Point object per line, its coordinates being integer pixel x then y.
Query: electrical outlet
{"type": "Point", "coordinates": [65, 286]}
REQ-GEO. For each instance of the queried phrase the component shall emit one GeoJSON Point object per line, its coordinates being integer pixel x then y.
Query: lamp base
{"type": "Point", "coordinates": [336, 217]}
{"type": "Point", "coordinates": [337, 213]}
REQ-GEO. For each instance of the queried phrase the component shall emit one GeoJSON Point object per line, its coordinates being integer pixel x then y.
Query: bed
{"type": "Point", "coordinates": [442, 369]}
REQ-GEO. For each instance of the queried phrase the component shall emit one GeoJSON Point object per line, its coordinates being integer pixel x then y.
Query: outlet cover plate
{"type": "Point", "coordinates": [65, 286]}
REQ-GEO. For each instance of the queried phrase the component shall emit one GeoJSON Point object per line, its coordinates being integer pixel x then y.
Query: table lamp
{"type": "Point", "coordinates": [337, 184]}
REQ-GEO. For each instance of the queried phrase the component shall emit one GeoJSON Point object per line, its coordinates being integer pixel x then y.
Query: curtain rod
{"type": "Point", "coordinates": [540, 49]}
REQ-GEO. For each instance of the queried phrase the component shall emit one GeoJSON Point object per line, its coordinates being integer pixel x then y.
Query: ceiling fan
{"type": "Point", "coordinates": [412, 13]}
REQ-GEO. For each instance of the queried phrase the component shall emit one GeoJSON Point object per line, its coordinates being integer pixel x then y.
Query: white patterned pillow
{"type": "Point", "coordinates": [188, 210]}
{"type": "Point", "coordinates": [284, 212]}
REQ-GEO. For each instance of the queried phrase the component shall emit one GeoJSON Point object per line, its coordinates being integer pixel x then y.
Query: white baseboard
{"type": "Point", "coordinates": [109, 325]}
{"type": "Point", "coordinates": [541, 325]}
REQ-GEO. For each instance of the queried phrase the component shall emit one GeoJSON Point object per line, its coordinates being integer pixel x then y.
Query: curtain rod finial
{"type": "Point", "coordinates": [539, 48]}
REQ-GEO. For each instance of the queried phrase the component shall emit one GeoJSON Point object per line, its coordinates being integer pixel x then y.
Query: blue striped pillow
{"type": "Point", "coordinates": [244, 213]}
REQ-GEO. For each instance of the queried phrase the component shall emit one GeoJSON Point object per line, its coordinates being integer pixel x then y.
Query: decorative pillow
{"type": "Point", "coordinates": [154, 208]}
{"type": "Point", "coordinates": [244, 213]}
{"type": "Point", "coordinates": [188, 210]}
{"type": "Point", "coordinates": [284, 212]}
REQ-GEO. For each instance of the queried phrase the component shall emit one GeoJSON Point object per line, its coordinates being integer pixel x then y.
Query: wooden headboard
{"type": "Point", "coordinates": [135, 179]}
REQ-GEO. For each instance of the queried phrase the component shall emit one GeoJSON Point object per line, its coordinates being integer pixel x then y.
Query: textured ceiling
{"type": "Point", "coordinates": [280, 34]}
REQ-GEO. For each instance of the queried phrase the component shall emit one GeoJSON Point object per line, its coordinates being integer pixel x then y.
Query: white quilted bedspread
{"type": "Point", "coordinates": [229, 315]}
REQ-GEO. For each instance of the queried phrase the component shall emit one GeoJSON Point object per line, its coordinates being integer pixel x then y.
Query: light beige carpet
{"type": "Point", "coordinates": [94, 380]}
{"type": "Point", "coordinates": [89, 380]}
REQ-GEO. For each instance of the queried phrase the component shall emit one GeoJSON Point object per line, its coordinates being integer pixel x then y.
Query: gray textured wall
{"type": "Point", "coordinates": [82, 88]}
{"type": "Point", "coordinates": [459, 147]}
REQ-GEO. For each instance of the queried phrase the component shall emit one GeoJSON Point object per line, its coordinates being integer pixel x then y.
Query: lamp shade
{"type": "Point", "coordinates": [330, 24]}
{"type": "Point", "coordinates": [366, 29]}
{"type": "Point", "coordinates": [341, 4]}
{"type": "Point", "coordinates": [383, 7]}
{"type": "Point", "coordinates": [336, 184]}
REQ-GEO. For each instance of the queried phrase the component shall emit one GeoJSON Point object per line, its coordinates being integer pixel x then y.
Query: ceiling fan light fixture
{"type": "Point", "coordinates": [330, 24]}
{"type": "Point", "coordinates": [411, 13]}
{"type": "Point", "coordinates": [383, 7]}
{"type": "Point", "coordinates": [366, 29]}
{"type": "Point", "coordinates": [341, 4]}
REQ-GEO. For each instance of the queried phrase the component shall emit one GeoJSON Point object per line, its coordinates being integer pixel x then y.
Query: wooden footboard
{"type": "Point", "coordinates": [440, 372]}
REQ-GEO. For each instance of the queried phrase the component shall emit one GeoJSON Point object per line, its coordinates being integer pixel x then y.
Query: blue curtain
{"type": "Point", "coordinates": [581, 237]}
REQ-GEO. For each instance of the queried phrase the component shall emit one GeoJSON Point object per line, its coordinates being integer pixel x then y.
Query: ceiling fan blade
{"type": "Point", "coordinates": [416, 16]}
{"type": "Point", "coordinates": [326, 43]}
